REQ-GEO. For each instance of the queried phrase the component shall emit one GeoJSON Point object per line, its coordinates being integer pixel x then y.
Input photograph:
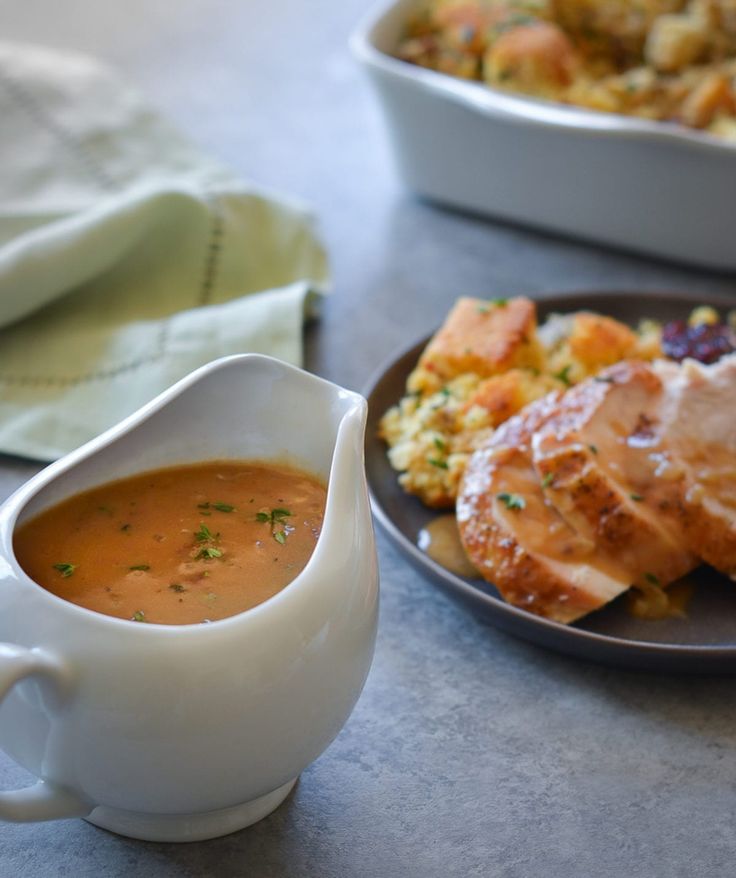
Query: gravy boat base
{"type": "Point", "coordinates": [189, 827]}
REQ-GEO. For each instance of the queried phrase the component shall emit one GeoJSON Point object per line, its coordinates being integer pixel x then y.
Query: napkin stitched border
{"type": "Point", "coordinates": [89, 162]}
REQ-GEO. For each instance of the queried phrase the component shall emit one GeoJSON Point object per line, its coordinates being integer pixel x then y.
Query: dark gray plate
{"type": "Point", "coordinates": [704, 642]}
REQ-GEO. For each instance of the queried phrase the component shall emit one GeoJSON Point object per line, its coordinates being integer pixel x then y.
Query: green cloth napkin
{"type": "Point", "coordinates": [127, 258]}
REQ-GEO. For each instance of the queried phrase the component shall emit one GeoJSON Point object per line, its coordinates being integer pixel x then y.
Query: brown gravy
{"type": "Point", "coordinates": [182, 545]}
{"type": "Point", "coordinates": [440, 540]}
{"type": "Point", "coordinates": [654, 602]}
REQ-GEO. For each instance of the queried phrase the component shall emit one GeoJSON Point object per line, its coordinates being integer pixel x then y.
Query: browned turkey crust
{"type": "Point", "coordinates": [624, 479]}
{"type": "Point", "coordinates": [595, 454]}
{"type": "Point", "coordinates": [534, 558]}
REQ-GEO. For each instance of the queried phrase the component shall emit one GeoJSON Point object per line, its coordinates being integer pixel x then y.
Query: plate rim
{"type": "Point", "coordinates": [710, 658]}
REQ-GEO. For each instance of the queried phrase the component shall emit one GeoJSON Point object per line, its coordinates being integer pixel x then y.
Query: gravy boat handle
{"type": "Point", "coordinates": [43, 800]}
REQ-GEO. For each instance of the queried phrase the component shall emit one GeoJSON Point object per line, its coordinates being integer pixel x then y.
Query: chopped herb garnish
{"type": "Point", "coordinates": [445, 391]}
{"type": "Point", "coordinates": [440, 443]}
{"type": "Point", "coordinates": [564, 375]}
{"type": "Point", "coordinates": [139, 616]}
{"type": "Point", "coordinates": [651, 579]}
{"type": "Point", "coordinates": [441, 464]}
{"type": "Point", "coordinates": [593, 448]}
{"type": "Point", "coordinates": [484, 307]}
{"type": "Point", "coordinates": [220, 507]}
{"type": "Point", "coordinates": [637, 497]}
{"type": "Point", "coordinates": [518, 20]}
{"type": "Point", "coordinates": [177, 587]}
{"type": "Point", "coordinates": [66, 570]}
{"type": "Point", "coordinates": [547, 480]}
{"type": "Point", "coordinates": [204, 534]}
{"type": "Point", "coordinates": [125, 528]}
{"type": "Point", "coordinates": [274, 517]}
{"type": "Point", "coordinates": [603, 379]}
{"type": "Point", "coordinates": [140, 567]}
{"type": "Point", "coordinates": [512, 501]}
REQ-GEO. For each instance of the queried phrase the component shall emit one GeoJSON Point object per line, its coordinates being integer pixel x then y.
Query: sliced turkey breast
{"type": "Point", "coordinates": [518, 540]}
{"type": "Point", "coordinates": [597, 457]}
{"type": "Point", "coordinates": [698, 424]}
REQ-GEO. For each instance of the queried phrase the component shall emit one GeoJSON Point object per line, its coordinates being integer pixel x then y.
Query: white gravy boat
{"type": "Point", "coordinates": [180, 733]}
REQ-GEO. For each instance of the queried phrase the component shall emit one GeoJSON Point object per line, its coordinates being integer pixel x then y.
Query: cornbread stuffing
{"type": "Point", "coordinates": [485, 363]}
{"type": "Point", "coordinates": [672, 60]}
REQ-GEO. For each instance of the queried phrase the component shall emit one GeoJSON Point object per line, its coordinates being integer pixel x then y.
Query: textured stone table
{"type": "Point", "coordinates": [469, 753]}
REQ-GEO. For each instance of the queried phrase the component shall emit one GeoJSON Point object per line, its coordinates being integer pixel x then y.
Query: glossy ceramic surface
{"type": "Point", "coordinates": [646, 186]}
{"type": "Point", "coordinates": [703, 642]}
{"type": "Point", "coordinates": [186, 732]}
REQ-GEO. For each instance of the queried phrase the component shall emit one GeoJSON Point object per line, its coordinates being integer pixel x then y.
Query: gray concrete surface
{"type": "Point", "coordinates": [469, 753]}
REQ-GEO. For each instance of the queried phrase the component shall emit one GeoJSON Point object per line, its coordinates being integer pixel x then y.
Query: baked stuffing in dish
{"type": "Point", "coordinates": [664, 60]}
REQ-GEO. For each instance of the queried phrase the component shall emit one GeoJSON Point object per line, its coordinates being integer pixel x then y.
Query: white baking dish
{"type": "Point", "coordinates": [647, 186]}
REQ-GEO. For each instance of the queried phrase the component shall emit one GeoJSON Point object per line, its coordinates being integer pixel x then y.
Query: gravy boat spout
{"type": "Point", "coordinates": [185, 732]}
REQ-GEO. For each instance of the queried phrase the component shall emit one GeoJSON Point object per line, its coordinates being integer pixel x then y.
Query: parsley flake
{"type": "Point", "coordinates": [512, 501]}
{"type": "Point", "coordinates": [564, 375]}
{"type": "Point", "coordinates": [637, 497]}
{"type": "Point", "coordinates": [441, 464]}
{"type": "Point", "coordinates": [177, 587]}
{"type": "Point", "coordinates": [140, 567]}
{"type": "Point", "coordinates": [204, 534]}
{"type": "Point", "coordinates": [207, 553]}
{"type": "Point", "coordinates": [138, 616]}
{"type": "Point", "coordinates": [547, 480]}
{"type": "Point", "coordinates": [220, 507]}
{"type": "Point", "coordinates": [275, 517]}
{"type": "Point", "coordinates": [66, 570]}
{"type": "Point", "coordinates": [651, 579]}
